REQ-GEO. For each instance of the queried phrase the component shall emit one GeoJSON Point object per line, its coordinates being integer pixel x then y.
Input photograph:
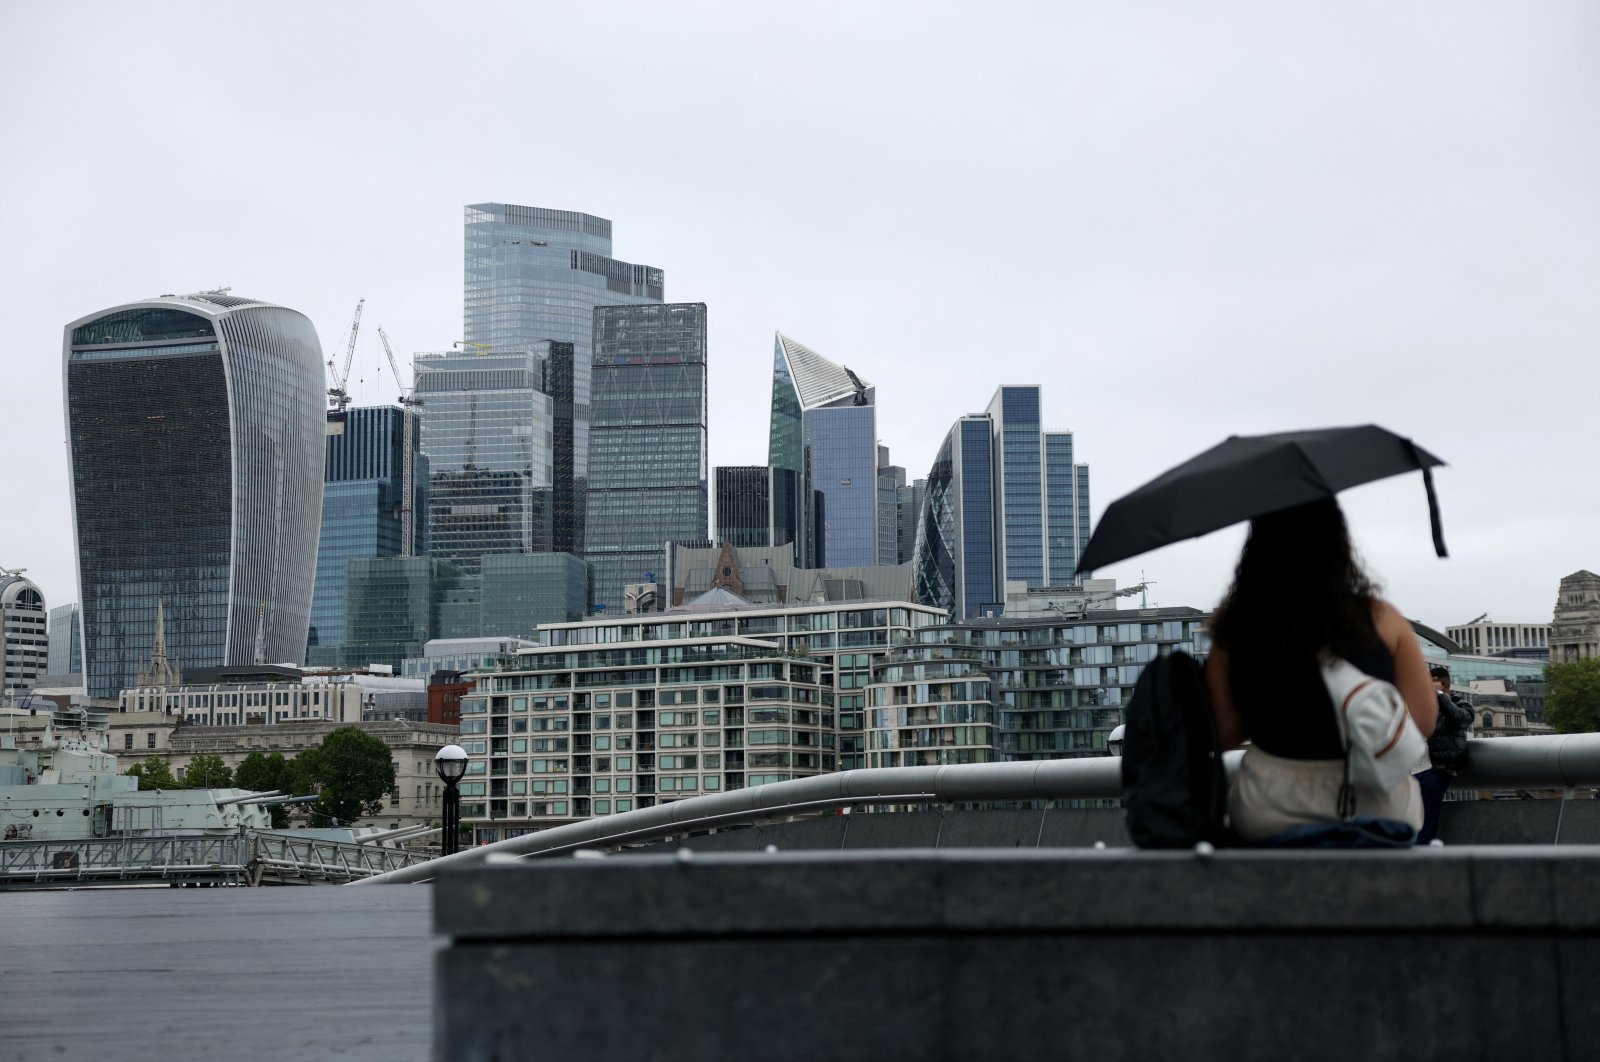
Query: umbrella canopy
{"type": "Point", "coordinates": [1251, 475]}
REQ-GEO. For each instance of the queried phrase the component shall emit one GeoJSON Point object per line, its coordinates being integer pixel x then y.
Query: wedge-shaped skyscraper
{"type": "Point", "coordinates": [195, 428]}
{"type": "Point", "coordinates": [825, 428]}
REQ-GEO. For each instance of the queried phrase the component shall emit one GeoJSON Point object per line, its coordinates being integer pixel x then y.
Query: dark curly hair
{"type": "Point", "coordinates": [1298, 589]}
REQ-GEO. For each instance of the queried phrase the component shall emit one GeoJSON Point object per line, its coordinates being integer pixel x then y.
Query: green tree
{"type": "Point", "coordinates": [153, 773]}
{"type": "Point", "coordinates": [1572, 696]}
{"type": "Point", "coordinates": [263, 773]}
{"type": "Point", "coordinates": [351, 773]}
{"type": "Point", "coordinates": [207, 772]}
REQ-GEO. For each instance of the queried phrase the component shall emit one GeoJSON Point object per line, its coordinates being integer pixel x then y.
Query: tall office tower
{"type": "Point", "coordinates": [364, 508]}
{"type": "Point", "coordinates": [1005, 502]}
{"type": "Point", "coordinates": [891, 478]}
{"type": "Point", "coordinates": [757, 505]}
{"type": "Point", "coordinates": [1066, 510]}
{"type": "Point", "coordinates": [24, 633]}
{"type": "Point", "coordinates": [195, 429]}
{"type": "Point", "coordinates": [647, 441]}
{"type": "Point", "coordinates": [567, 501]}
{"type": "Point", "coordinates": [66, 647]}
{"type": "Point", "coordinates": [534, 275]}
{"type": "Point", "coordinates": [486, 431]}
{"type": "Point", "coordinates": [824, 427]}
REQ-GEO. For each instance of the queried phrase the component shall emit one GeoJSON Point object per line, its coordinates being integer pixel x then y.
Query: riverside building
{"type": "Point", "coordinates": [608, 715]}
{"type": "Point", "coordinates": [195, 428]}
{"type": "Point", "coordinates": [1040, 688]}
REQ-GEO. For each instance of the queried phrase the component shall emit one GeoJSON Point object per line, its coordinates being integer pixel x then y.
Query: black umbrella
{"type": "Point", "coordinates": [1252, 475]}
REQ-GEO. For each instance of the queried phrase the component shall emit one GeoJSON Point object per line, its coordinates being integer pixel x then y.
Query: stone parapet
{"type": "Point", "coordinates": [1007, 954]}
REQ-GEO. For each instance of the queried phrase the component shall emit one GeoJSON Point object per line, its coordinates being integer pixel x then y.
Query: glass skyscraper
{"type": "Point", "coordinates": [647, 441]}
{"type": "Point", "coordinates": [1004, 501]}
{"type": "Point", "coordinates": [824, 427]}
{"type": "Point", "coordinates": [195, 429]}
{"type": "Point", "coordinates": [363, 506]}
{"type": "Point", "coordinates": [66, 646]}
{"type": "Point", "coordinates": [534, 275]}
{"type": "Point", "coordinates": [487, 433]}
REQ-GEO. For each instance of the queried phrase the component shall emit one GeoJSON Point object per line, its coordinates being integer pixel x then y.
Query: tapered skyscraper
{"type": "Point", "coordinates": [195, 429]}
{"type": "Point", "coordinates": [534, 276]}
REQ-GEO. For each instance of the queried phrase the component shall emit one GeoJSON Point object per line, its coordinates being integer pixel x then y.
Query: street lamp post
{"type": "Point", "coordinates": [450, 763]}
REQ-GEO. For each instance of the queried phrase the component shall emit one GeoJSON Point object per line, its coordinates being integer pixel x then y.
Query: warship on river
{"type": "Point", "coordinates": [68, 789]}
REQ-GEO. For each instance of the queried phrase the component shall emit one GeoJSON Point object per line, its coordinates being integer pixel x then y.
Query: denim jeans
{"type": "Point", "coordinates": [1433, 783]}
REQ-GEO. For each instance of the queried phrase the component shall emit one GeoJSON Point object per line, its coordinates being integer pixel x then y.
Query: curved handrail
{"type": "Point", "coordinates": [1544, 761]}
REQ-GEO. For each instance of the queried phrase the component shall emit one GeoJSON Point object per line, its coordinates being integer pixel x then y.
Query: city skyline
{"type": "Point", "coordinates": [1180, 254]}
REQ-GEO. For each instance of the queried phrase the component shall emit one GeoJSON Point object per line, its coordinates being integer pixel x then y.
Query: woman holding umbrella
{"type": "Point", "coordinates": [1298, 595]}
{"type": "Point", "coordinates": [1265, 680]}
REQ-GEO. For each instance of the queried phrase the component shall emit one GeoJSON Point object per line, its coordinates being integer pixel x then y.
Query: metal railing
{"type": "Point", "coordinates": [281, 858]}
{"type": "Point", "coordinates": [123, 859]}
{"type": "Point", "coordinates": [1542, 762]}
{"type": "Point", "coordinates": [246, 859]}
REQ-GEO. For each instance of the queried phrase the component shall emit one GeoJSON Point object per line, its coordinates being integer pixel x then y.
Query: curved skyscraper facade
{"type": "Point", "coordinates": [195, 434]}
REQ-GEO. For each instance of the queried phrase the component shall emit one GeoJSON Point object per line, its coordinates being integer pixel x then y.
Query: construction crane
{"type": "Point", "coordinates": [408, 403]}
{"type": "Point", "coordinates": [338, 395]}
{"type": "Point", "coordinates": [1080, 608]}
{"type": "Point", "coordinates": [462, 344]}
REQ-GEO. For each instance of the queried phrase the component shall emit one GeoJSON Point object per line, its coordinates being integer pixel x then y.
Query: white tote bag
{"type": "Point", "coordinates": [1382, 741]}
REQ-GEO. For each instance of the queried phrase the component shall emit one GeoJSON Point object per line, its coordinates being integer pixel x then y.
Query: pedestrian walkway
{"type": "Point", "coordinates": [230, 973]}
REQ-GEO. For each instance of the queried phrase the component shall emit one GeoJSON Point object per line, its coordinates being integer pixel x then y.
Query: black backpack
{"type": "Point", "coordinates": [1174, 788]}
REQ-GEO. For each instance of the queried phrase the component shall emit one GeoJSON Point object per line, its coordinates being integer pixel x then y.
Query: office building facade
{"type": "Point", "coordinates": [66, 644]}
{"type": "Point", "coordinates": [647, 441]}
{"type": "Point", "coordinates": [486, 431]}
{"type": "Point", "coordinates": [1485, 637]}
{"type": "Point", "coordinates": [364, 506]}
{"type": "Point", "coordinates": [1012, 506]}
{"type": "Point", "coordinates": [534, 275]}
{"type": "Point", "coordinates": [24, 634]}
{"type": "Point", "coordinates": [195, 428]}
{"type": "Point", "coordinates": [757, 505]}
{"type": "Point", "coordinates": [824, 427]}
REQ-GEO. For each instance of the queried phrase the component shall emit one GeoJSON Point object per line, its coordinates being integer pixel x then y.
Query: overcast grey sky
{"type": "Point", "coordinates": [1183, 220]}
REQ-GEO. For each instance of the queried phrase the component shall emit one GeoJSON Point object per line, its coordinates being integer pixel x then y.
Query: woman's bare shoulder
{"type": "Point", "coordinates": [1388, 620]}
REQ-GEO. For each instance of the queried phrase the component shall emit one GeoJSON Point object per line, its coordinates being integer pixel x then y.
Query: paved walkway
{"type": "Point", "coordinates": [237, 974]}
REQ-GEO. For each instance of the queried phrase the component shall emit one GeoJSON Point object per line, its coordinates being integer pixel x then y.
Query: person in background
{"type": "Point", "coordinates": [1298, 594]}
{"type": "Point", "coordinates": [1447, 751]}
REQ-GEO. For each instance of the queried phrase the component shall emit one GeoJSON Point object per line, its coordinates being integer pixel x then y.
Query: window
{"type": "Point", "coordinates": [127, 741]}
{"type": "Point", "coordinates": [149, 741]}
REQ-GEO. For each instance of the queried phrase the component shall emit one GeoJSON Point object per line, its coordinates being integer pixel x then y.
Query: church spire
{"type": "Point", "coordinates": [160, 671]}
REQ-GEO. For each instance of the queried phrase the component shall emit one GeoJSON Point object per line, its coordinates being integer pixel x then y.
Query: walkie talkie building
{"type": "Point", "coordinates": [195, 431]}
